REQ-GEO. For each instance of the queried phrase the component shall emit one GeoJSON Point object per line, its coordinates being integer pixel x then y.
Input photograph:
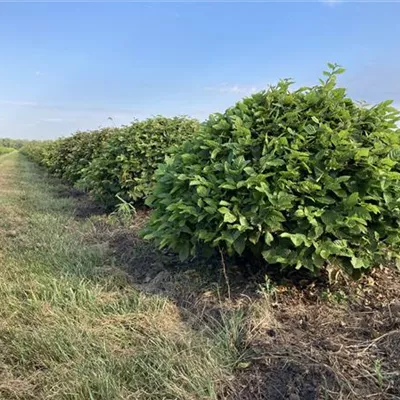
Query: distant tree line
{"type": "Point", "coordinates": [13, 143]}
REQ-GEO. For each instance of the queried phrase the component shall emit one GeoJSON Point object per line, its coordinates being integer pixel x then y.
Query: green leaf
{"type": "Point", "coordinates": [357, 262]}
{"type": "Point", "coordinates": [243, 221]}
{"type": "Point", "coordinates": [268, 238]}
{"type": "Point", "coordinates": [297, 239]}
{"type": "Point", "coordinates": [228, 216]}
{"type": "Point", "coordinates": [318, 231]}
{"type": "Point", "coordinates": [275, 256]}
{"type": "Point", "coordinates": [227, 186]}
{"type": "Point", "coordinates": [239, 244]}
{"type": "Point", "coordinates": [361, 153]}
{"type": "Point", "coordinates": [202, 191]}
{"type": "Point", "coordinates": [193, 182]}
{"type": "Point", "coordinates": [315, 119]}
{"type": "Point", "coordinates": [324, 254]}
{"type": "Point", "coordinates": [352, 200]}
{"type": "Point", "coordinates": [221, 125]}
{"type": "Point", "coordinates": [215, 152]}
{"type": "Point", "coordinates": [249, 171]}
{"type": "Point", "coordinates": [372, 208]}
{"type": "Point", "coordinates": [310, 129]}
{"type": "Point", "coordinates": [255, 237]}
{"type": "Point", "coordinates": [318, 260]}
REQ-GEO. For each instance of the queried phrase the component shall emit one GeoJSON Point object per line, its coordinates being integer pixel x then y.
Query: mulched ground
{"type": "Point", "coordinates": [330, 343]}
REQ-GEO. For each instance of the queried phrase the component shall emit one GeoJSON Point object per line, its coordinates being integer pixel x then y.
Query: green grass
{"type": "Point", "coordinates": [68, 330]}
{"type": "Point", "coordinates": [5, 150]}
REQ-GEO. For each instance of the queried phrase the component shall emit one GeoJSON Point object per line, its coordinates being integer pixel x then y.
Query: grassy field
{"type": "Point", "coordinates": [88, 311]}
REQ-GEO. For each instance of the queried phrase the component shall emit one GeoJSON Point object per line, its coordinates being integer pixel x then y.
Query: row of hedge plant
{"type": "Point", "coordinates": [300, 178]}
{"type": "Point", "coordinates": [114, 163]}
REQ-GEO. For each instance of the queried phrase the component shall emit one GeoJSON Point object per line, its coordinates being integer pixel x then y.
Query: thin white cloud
{"type": "Point", "coordinates": [38, 73]}
{"type": "Point", "coordinates": [235, 89]}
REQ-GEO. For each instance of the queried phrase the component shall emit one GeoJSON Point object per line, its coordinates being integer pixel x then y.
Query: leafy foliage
{"type": "Point", "coordinates": [41, 152]}
{"type": "Point", "coordinates": [299, 178]}
{"type": "Point", "coordinates": [118, 164]}
{"type": "Point", "coordinates": [125, 166]}
{"type": "Point", "coordinates": [71, 155]}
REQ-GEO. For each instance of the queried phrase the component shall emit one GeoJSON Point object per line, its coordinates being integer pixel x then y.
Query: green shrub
{"type": "Point", "coordinates": [5, 150]}
{"type": "Point", "coordinates": [127, 161]}
{"type": "Point", "coordinates": [68, 157]}
{"type": "Point", "coordinates": [73, 154]}
{"type": "Point", "coordinates": [299, 178]}
{"type": "Point", "coordinates": [40, 152]}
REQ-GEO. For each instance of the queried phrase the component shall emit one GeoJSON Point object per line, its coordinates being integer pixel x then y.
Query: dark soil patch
{"type": "Point", "coordinates": [68, 191]}
{"type": "Point", "coordinates": [85, 206]}
{"type": "Point", "coordinates": [326, 350]}
{"type": "Point", "coordinates": [281, 379]}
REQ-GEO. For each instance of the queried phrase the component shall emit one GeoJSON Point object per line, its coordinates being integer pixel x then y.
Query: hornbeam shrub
{"type": "Point", "coordinates": [74, 153]}
{"type": "Point", "coordinates": [41, 152]}
{"type": "Point", "coordinates": [126, 163]}
{"type": "Point", "coordinates": [300, 178]}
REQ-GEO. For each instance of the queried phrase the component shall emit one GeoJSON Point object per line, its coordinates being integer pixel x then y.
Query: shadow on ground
{"type": "Point", "coordinates": [85, 206]}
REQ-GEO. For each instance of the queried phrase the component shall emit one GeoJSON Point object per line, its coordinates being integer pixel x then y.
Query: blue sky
{"type": "Point", "coordinates": [70, 66]}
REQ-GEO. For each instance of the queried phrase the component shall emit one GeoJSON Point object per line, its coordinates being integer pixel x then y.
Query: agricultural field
{"type": "Point", "coordinates": [251, 256]}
